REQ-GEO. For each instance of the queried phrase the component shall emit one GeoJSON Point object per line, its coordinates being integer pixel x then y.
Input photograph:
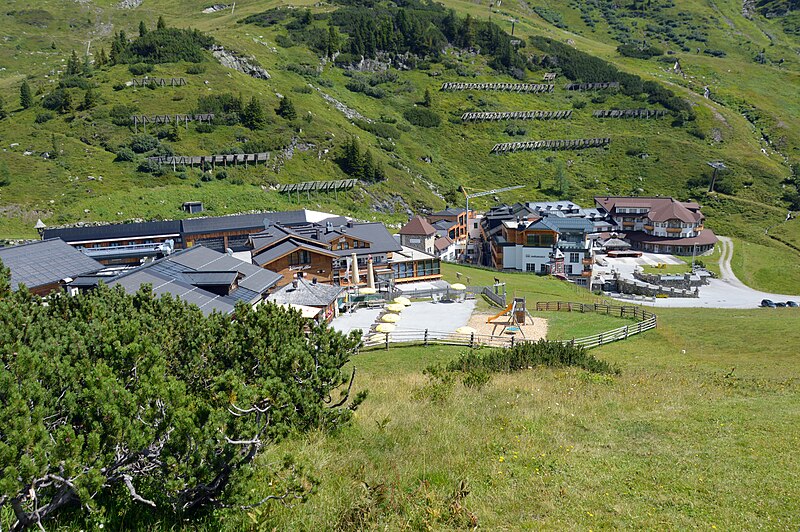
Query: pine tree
{"type": "Point", "coordinates": [86, 68]}
{"type": "Point", "coordinates": [286, 109]}
{"type": "Point", "coordinates": [253, 114]}
{"type": "Point", "coordinates": [25, 96]}
{"type": "Point", "coordinates": [3, 112]}
{"type": "Point", "coordinates": [427, 100]}
{"type": "Point", "coordinates": [561, 180]}
{"type": "Point", "coordinates": [89, 99]}
{"type": "Point", "coordinates": [73, 65]}
{"type": "Point", "coordinates": [368, 174]}
{"type": "Point", "coordinates": [160, 25]}
{"type": "Point", "coordinates": [142, 28]}
{"type": "Point", "coordinates": [333, 43]}
{"type": "Point", "coordinates": [102, 58]}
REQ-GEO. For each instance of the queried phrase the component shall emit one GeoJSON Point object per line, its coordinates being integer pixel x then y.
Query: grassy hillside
{"type": "Point", "coordinates": [751, 108]}
{"type": "Point", "coordinates": [697, 431]}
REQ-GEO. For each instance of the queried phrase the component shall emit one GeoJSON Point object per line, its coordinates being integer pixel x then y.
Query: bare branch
{"type": "Point", "coordinates": [135, 496]}
{"type": "Point", "coordinates": [347, 394]}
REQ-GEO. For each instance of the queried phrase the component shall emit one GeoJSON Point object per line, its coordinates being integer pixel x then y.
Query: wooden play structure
{"type": "Point", "coordinates": [515, 316]}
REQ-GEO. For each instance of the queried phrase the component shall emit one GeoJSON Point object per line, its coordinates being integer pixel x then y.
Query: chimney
{"type": "Point", "coordinates": [294, 284]}
{"type": "Point", "coordinates": [314, 280]}
{"type": "Point", "coordinates": [350, 223]}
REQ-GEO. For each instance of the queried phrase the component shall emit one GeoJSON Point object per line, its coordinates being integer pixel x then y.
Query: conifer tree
{"type": "Point", "coordinates": [427, 100]}
{"type": "Point", "coordinates": [286, 109]}
{"type": "Point", "coordinates": [253, 114]}
{"type": "Point", "coordinates": [160, 25]}
{"type": "Point", "coordinates": [73, 65]}
{"type": "Point", "coordinates": [102, 58]}
{"type": "Point", "coordinates": [89, 99]}
{"type": "Point", "coordinates": [3, 112]}
{"type": "Point", "coordinates": [142, 28]}
{"type": "Point", "coordinates": [25, 96]}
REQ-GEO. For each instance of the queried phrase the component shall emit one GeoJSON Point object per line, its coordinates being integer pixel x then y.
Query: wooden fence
{"type": "Point", "coordinates": [559, 144]}
{"type": "Point", "coordinates": [516, 115]}
{"type": "Point", "coordinates": [645, 321]}
{"type": "Point", "coordinates": [534, 88]}
{"type": "Point", "coordinates": [629, 113]}
{"type": "Point", "coordinates": [158, 82]}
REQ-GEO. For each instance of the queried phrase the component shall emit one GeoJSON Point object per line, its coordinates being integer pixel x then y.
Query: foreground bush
{"type": "Point", "coordinates": [112, 402]}
{"type": "Point", "coordinates": [530, 354]}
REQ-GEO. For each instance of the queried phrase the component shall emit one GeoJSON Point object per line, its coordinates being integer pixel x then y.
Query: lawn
{"type": "Point", "coordinates": [698, 431]}
{"type": "Point", "coordinates": [771, 268]}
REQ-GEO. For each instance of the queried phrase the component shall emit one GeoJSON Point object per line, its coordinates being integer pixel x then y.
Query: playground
{"type": "Point", "coordinates": [513, 320]}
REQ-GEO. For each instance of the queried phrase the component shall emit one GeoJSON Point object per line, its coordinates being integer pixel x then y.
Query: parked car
{"type": "Point", "coordinates": [792, 304]}
{"type": "Point", "coordinates": [768, 303]}
{"type": "Point", "coordinates": [780, 304]}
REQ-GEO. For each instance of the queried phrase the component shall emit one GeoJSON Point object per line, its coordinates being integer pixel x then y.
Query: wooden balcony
{"type": "Point", "coordinates": [674, 229]}
{"type": "Point", "coordinates": [648, 227]}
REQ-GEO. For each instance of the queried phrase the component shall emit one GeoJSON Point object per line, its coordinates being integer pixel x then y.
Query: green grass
{"type": "Point", "coordinates": [678, 440]}
{"type": "Point", "coordinates": [768, 268]}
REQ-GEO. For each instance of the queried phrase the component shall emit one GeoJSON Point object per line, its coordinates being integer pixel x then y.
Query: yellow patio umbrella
{"type": "Point", "coordinates": [395, 307]}
{"type": "Point", "coordinates": [466, 330]}
{"type": "Point", "coordinates": [367, 291]}
{"type": "Point", "coordinates": [385, 328]}
{"type": "Point", "coordinates": [458, 286]}
{"type": "Point", "coordinates": [390, 318]}
{"type": "Point", "coordinates": [402, 300]}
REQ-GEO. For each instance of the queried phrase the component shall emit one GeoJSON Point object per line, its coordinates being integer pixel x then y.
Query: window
{"type": "Point", "coordinates": [574, 257]}
{"type": "Point", "coordinates": [543, 268]}
{"type": "Point", "coordinates": [299, 257]}
{"type": "Point", "coordinates": [568, 269]}
{"type": "Point", "coordinates": [540, 240]}
{"type": "Point", "coordinates": [530, 267]}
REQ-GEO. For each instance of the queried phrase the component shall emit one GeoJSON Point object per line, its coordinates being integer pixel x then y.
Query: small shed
{"type": "Point", "coordinates": [192, 207]}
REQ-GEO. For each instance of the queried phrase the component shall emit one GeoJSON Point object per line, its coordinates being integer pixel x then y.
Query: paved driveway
{"type": "Point", "coordinates": [726, 292]}
{"type": "Point", "coordinates": [439, 317]}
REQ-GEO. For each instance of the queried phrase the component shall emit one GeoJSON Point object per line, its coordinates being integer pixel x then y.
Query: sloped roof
{"type": "Point", "coordinates": [449, 211]}
{"type": "Point", "coordinates": [284, 248]}
{"type": "Point", "coordinates": [673, 210]}
{"type": "Point", "coordinates": [379, 238]}
{"type": "Point", "coordinates": [185, 273]}
{"type": "Point", "coordinates": [114, 231]}
{"type": "Point", "coordinates": [165, 284]}
{"type": "Point", "coordinates": [45, 262]}
{"type": "Point", "coordinates": [442, 243]}
{"type": "Point", "coordinates": [306, 294]}
{"type": "Point", "coordinates": [417, 226]}
{"type": "Point", "coordinates": [660, 208]}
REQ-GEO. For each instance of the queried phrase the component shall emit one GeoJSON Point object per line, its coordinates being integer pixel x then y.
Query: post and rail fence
{"type": "Point", "coordinates": [645, 321]}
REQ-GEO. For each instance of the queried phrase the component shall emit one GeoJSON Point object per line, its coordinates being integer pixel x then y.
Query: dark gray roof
{"type": "Point", "coordinates": [112, 231]}
{"type": "Point", "coordinates": [185, 273]}
{"type": "Point", "coordinates": [164, 284]}
{"type": "Point", "coordinates": [307, 293]}
{"type": "Point", "coordinates": [253, 222]}
{"type": "Point", "coordinates": [449, 211]}
{"type": "Point", "coordinates": [189, 226]}
{"type": "Point", "coordinates": [45, 262]}
{"type": "Point", "coordinates": [381, 241]}
{"type": "Point", "coordinates": [570, 224]}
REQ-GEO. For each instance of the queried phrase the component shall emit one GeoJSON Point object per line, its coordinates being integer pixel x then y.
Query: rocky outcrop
{"type": "Point", "coordinates": [245, 65]}
{"type": "Point", "coordinates": [129, 4]}
{"type": "Point", "coordinates": [351, 114]}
